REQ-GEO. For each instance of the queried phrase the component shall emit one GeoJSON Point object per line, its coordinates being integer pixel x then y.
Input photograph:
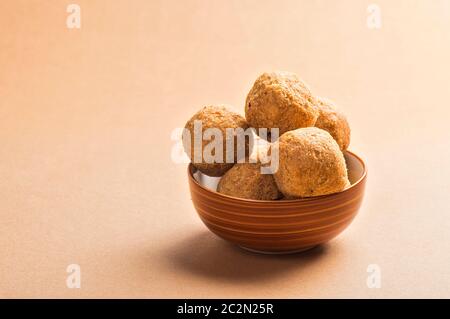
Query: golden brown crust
{"type": "Point", "coordinates": [311, 164]}
{"type": "Point", "coordinates": [244, 180]}
{"type": "Point", "coordinates": [282, 100]}
{"type": "Point", "coordinates": [334, 122]}
{"type": "Point", "coordinates": [214, 117]}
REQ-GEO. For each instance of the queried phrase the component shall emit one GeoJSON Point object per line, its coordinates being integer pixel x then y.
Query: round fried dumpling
{"type": "Point", "coordinates": [310, 164]}
{"type": "Point", "coordinates": [334, 122]}
{"type": "Point", "coordinates": [214, 117]}
{"type": "Point", "coordinates": [245, 180]}
{"type": "Point", "coordinates": [280, 100]}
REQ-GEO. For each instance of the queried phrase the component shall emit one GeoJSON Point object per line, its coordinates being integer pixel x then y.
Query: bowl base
{"type": "Point", "coordinates": [282, 252]}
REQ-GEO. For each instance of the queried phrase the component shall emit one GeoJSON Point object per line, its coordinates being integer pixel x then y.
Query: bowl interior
{"type": "Point", "coordinates": [355, 167]}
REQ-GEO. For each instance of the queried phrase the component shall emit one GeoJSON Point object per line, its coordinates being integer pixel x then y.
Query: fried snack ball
{"type": "Point", "coordinates": [311, 164]}
{"type": "Point", "coordinates": [214, 117]}
{"type": "Point", "coordinates": [334, 122]}
{"type": "Point", "coordinates": [280, 100]}
{"type": "Point", "coordinates": [244, 180]}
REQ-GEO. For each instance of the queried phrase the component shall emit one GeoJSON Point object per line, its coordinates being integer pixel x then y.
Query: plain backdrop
{"type": "Point", "coordinates": [86, 116]}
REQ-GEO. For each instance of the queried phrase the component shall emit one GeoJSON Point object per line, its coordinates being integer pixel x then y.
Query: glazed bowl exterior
{"type": "Point", "coordinates": [281, 226]}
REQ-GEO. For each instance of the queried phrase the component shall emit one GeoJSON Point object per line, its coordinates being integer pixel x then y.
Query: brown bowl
{"type": "Point", "coordinates": [282, 226]}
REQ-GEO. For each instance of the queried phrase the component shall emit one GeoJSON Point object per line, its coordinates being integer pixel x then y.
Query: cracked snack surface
{"type": "Point", "coordinates": [311, 164]}
{"type": "Point", "coordinates": [280, 100]}
{"type": "Point", "coordinates": [334, 122]}
{"type": "Point", "coordinates": [244, 180]}
{"type": "Point", "coordinates": [221, 118]}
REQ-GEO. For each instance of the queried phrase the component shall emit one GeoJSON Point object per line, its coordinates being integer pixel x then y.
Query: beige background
{"type": "Point", "coordinates": [86, 175]}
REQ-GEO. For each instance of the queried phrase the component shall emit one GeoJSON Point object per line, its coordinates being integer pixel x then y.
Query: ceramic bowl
{"type": "Point", "coordinates": [281, 226]}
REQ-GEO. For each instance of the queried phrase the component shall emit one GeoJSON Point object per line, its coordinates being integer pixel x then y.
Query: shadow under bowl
{"type": "Point", "coordinates": [280, 226]}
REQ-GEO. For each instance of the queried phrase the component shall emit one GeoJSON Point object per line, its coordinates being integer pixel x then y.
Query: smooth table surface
{"type": "Point", "coordinates": [86, 117]}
